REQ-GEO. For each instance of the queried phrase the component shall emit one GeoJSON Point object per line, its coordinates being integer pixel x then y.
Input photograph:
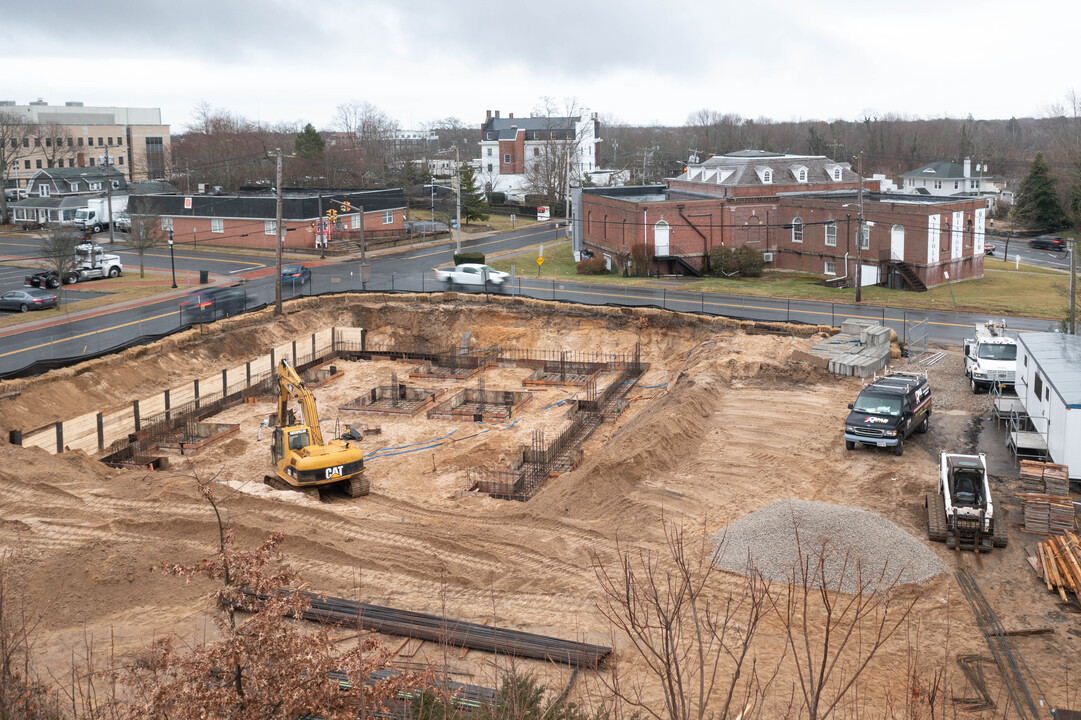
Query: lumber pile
{"type": "Point", "coordinates": [1047, 514]}
{"type": "Point", "coordinates": [1057, 562]}
{"type": "Point", "coordinates": [1045, 478]}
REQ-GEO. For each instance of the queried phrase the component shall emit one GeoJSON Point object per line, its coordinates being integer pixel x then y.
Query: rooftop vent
{"type": "Point", "coordinates": [39, 101]}
{"type": "Point", "coordinates": [73, 103]}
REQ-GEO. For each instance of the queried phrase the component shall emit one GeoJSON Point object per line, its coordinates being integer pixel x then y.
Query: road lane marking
{"type": "Point", "coordinates": [88, 334]}
{"type": "Point", "coordinates": [493, 242]}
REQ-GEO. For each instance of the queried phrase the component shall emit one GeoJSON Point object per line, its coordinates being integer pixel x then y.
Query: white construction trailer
{"type": "Point", "coordinates": [1049, 385]}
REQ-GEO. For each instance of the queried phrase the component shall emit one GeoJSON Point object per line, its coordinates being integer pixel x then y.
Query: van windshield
{"type": "Point", "coordinates": [994, 351]}
{"type": "Point", "coordinates": [877, 404]}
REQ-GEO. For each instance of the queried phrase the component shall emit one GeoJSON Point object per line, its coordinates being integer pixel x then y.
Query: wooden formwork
{"type": "Point", "coordinates": [204, 434]}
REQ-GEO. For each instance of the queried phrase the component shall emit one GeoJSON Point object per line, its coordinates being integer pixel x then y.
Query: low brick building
{"type": "Point", "coordinates": [248, 219]}
{"type": "Point", "coordinates": [801, 212]}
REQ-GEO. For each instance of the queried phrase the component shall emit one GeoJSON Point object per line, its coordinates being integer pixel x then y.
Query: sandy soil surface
{"type": "Point", "coordinates": [737, 427]}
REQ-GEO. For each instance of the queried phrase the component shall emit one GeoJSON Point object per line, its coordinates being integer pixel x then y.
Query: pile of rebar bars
{"type": "Point", "coordinates": [405, 623]}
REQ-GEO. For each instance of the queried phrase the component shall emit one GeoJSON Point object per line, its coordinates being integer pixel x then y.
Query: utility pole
{"type": "Point", "coordinates": [277, 153]}
{"type": "Point", "coordinates": [319, 236]}
{"type": "Point", "coordinates": [458, 187]}
{"type": "Point", "coordinates": [567, 198]}
{"type": "Point", "coordinates": [859, 236]}
{"type": "Point", "coordinates": [109, 192]}
{"type": "Point", "coordinates": [1073, 286]}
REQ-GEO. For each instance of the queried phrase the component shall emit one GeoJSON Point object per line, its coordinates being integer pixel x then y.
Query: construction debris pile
{"type": "Point", "coordinates": [862, 348]}
{"type": "Point", "coordinates": [1057, 561]}
{"type": "Point", "coordinates": [857, 546]}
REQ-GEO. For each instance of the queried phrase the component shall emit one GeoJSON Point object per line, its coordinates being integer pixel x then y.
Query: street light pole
{"type": "Point", "coordinates": [172, 261]}
{"type": "Point", "coordinates": [277, 153]}
{"type": "Point", "coordinates": [859, 234]}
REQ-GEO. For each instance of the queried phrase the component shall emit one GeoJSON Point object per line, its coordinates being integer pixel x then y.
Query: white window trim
{"type": "Point", "coordinates": [831, 226]}
{"type": "Point", "coordinates": [797, 230]}
{"type": "Point", "coordinates": [43, 190]}
{"type": "Point", "coordinates": [830, 267]}
{"type": "Point", "coordinates": [217, 225]}
{"type": "Point", "coordinates": [355, 221]}
{"type": "Point", "coordinates": [388, 217]}
{"type": "Point", "coordinates": [865, 241]}
{"type": "Point", "coordinates": [270, 227]}
{"type": "Point", "coordinates": [506, 158]}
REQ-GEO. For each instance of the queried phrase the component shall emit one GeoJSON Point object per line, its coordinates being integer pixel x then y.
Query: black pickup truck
{"type": "Point", "coordinates": [889, 410]}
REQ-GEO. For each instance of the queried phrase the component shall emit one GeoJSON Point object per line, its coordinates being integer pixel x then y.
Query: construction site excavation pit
{"type": "Point", "coordinates": [723, 421]}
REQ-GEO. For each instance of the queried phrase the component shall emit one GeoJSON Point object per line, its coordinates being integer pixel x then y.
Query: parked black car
{"type": "Point", "coordinates": [889, 410]}
{"type": "Point", "coordinates": [24, 300]}
{"type": "Point", "coordinates": [1048, 242]}
{"type": "Point", "coordinates": [210, 304]}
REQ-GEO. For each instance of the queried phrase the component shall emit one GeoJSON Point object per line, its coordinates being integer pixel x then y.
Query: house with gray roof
{"type": "Point", "coordinates": [515, 152]}
{"type": "Point", "coordinates": [54, 194]}
{"type": "Point", "coordinates": [942, 179]}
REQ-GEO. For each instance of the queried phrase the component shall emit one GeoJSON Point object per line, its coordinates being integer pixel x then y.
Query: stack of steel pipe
{"type": "Point", "coordinates": [405, 623]}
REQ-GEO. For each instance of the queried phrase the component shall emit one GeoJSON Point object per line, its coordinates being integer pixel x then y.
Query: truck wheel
{"type": "Point", "coordinates": [976, 387]}
{"type": "Point", "coordinates": [849, 445]}
{"type": "Point", "coordinates": [71, 279]}
{"type": "Point", "coordinates": [925, 425]}
{"type": "Point", "coordinates": [52, 283]}
{"type": "Point", "coordinates": [899, 448]}
{"type": "Point", "coordinates": [24, 307]}
{"type": "Point", "coordinates": [97, 228]}
{"type": "Point", "coordinates": [114, 271]}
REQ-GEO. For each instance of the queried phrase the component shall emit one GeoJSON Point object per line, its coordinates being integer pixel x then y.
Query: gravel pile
{"type": "Point", "coordinates": [769, 538]}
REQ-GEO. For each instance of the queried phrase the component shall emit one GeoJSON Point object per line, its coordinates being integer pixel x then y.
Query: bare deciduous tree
{"type": "Point", "coordinates": [146, 233]}
{"type": "Point", "coordinates": [558, 154]}
{"type": "Point", "coordinates": [834, 635]}
{"type": "Point", "coordinates": [16, 142]}
{"type": "Point", "coordinates": [696, 640]}
{"type": "Point", "coordinates": [58, 251]}
{"type": "Point", "coordinates": [266, 666]}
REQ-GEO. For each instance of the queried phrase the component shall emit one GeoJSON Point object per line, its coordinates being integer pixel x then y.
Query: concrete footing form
{"type": "Point", "coordinates": [197, 436]}
{"type": "Point", "coordinates": [861, 349]}
{"type": "Point", "coordinates": [320, 376]}
{"type": "Point", "coordinates": [479, 405]}
{"type": "Point", "coordinates": [394, 400]}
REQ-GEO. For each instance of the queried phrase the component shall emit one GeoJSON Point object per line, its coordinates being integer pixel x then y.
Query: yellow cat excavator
{"type": "Point", "coordinates": [301, 460]}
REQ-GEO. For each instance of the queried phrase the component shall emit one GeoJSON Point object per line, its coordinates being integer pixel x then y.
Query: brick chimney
{"type": "Point", "coordinates": [510, 115]}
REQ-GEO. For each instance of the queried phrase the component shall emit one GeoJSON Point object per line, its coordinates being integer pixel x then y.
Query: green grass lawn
{"type": "Point", "coordinates": [1003, 290]}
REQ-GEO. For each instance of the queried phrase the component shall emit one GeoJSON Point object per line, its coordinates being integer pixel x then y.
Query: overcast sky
{"type": "Point", "coordinates": [633, 61]}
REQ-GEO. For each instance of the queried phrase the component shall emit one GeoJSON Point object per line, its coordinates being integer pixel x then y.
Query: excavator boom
{"type": "Point", "coordinates": [290, 385]}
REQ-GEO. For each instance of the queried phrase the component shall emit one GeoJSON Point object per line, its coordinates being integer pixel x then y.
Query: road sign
{"type": "Point", "coordinates": [187, 203]}
{"type": "Point", "coordinates": [540, 261]}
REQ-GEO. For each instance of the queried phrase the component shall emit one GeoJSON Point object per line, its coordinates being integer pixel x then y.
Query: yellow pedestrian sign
{"type": "Point", "coordinates": [540, 261]}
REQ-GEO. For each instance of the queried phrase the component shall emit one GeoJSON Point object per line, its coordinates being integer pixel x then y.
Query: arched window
{"type": "Point", "coordinates": [767, 176]}
{"type": "Point", "coordinates": [797, 229]}
{"type": "Point", "coordinates": [837, 173]}
{"type": "Point", "coordinates": [803, 176]}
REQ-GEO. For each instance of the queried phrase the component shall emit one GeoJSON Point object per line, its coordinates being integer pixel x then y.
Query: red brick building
{"type": "Point", "coordinates": [801, 212]}
{"type": "Point", "coordinates": [248, 219]}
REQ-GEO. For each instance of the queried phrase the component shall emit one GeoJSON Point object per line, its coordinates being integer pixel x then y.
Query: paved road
{"type": "Point", "coordinates": [410, 271]}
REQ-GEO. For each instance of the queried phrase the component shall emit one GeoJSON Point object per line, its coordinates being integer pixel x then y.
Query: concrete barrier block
{"type": "Point", "coordinates": [855, 327]}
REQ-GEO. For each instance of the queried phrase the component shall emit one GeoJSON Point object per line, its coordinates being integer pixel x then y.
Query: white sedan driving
{"type": "Point", "coordinates": [471, 274]}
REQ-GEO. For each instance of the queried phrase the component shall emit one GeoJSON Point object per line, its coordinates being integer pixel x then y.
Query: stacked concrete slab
{"type": "Point", "coordinates": [861, 349]}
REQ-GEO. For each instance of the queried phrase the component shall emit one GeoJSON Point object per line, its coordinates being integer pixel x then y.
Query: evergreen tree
{"type": "Point", "coordinates": [309, 143]}
{"type": "Point", "coordinates": [1037, 202]}
{"type": "Point", "coordinates": [473, 203]}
